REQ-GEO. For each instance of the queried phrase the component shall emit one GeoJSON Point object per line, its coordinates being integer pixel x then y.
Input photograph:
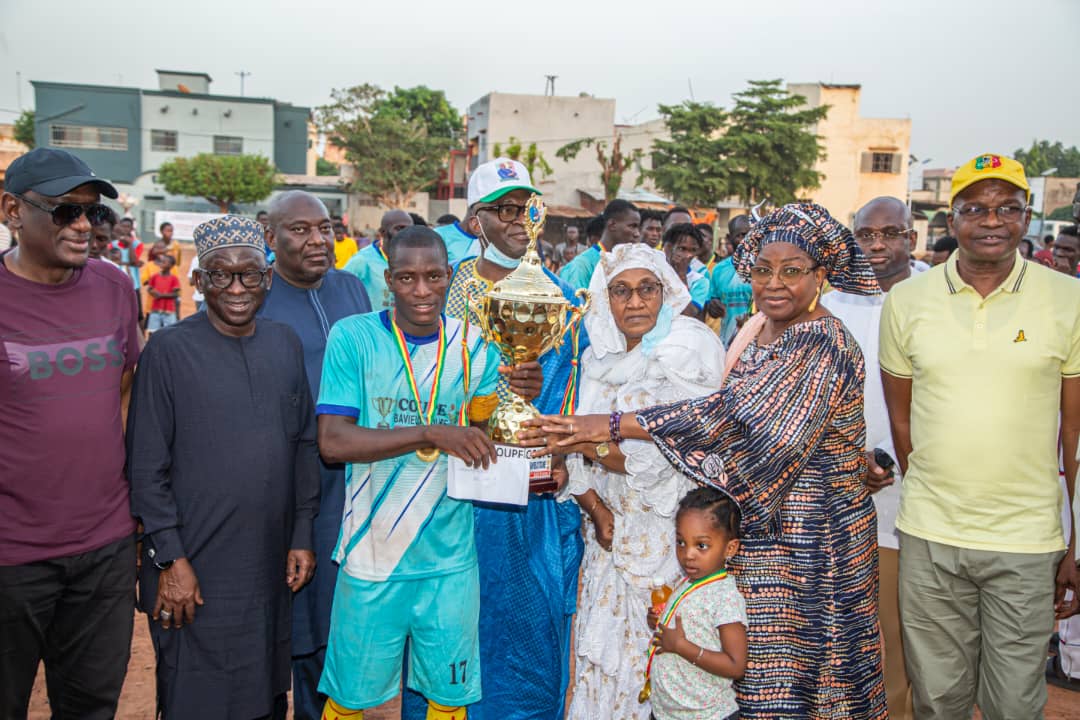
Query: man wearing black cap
{"type": "Point", "coordinates": [68, 344]}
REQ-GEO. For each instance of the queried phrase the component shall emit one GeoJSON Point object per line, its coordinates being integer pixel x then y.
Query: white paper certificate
{"type": "Point", "coordinates": [505, 482]}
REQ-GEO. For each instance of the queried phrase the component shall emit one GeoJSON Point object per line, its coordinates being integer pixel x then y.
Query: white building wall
{"type": "Point", "coordinates": [198, 119]}
{"type": "Point", "coordinates": [550, 122]}
{"type": "Point", "coordinates": [641, 137]}
{"type": "Point", "coordinates": [847, 137]}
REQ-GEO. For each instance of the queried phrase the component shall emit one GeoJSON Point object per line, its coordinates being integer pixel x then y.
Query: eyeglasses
{"type": "Point", "coordinates": [890, 235]}
{"type": "Point", "coordinates": [507, 212]}
{"type": "Point", "coordinates": [1005, 213]}
{"type": "Point", "coordinates": [66, 213]}
{"type": "Point", "coordinates": [646, 291]}
{"type": "Point", "coordinates": [222, 279]}
{"type": "Point", "coordinates": [790, 275]}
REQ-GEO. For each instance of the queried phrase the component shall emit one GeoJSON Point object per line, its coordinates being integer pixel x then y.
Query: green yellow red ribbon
{"type": "Point", "coordinates": [674, 605]}
{"type": "Point", "coordinates": [440, 363]}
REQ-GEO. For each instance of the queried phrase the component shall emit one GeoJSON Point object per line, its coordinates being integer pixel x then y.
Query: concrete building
{"type": "Point", "coordinates": [936, 186]}
{"type": "Point", "coordinates": [550, 122]}
{"type": "Point", "coordinates": [1050, 193]}
{"type": "Point", "coordinates": [641, 137]}
{"type": "Point", "coordinates": [864, 157]}
{"type": "Point", "coordinates": [125, 132]}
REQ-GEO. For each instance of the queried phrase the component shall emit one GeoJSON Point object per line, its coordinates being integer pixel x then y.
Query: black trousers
{"type": "Point", "coordinates": [76, 614]}
{"type": "Point", "coordinates": [308, 702]}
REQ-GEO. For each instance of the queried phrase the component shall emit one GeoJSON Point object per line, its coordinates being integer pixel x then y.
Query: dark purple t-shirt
{"type": "Point", "coordinates": [63, 351]}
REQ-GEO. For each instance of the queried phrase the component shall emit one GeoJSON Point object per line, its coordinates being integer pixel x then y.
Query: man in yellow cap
{"type": "Point", "coordinates": [979, 357]}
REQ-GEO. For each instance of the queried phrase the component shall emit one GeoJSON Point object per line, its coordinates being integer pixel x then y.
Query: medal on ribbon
{"type": "Point", "coordinates": [668, 614]}
{"type": "Point", "coordinates": [428, 455]}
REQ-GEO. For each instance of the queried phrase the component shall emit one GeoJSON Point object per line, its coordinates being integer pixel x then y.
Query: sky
{"type": "Point", "coordinates": [973, 75]}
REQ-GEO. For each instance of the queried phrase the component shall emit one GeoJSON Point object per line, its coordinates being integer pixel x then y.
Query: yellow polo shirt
{"type": "Point", "coordinates": [343, 250]}
{"type": "Point", "coordinates": [985, 400]}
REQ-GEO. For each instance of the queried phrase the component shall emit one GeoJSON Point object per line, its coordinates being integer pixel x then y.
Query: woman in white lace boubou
{"type": "Point", "coordinates": [642, 352]}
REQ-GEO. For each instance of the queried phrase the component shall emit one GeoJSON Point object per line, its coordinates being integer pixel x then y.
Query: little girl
{"type": "Point", "coordinates": [700, 641]}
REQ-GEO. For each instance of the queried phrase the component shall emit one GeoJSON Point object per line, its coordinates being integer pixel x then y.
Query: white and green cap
{"type": "Point", "coordinates": [497, 177]}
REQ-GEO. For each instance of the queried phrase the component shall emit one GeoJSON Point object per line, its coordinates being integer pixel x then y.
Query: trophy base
{"type": "Point", "coordinates": [503, 425]}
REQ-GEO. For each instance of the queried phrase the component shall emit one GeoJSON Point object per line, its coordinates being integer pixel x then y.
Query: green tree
{"type": "Point", "coordinates": [613, 165]}
{"type": "Point", "coordinates": [427, 106]}
{"type": "Point", "coordinates": [771, 144]}
{"type": "Point", "coordinates": [530, 156]}
{"type": "Point", "coordinates": [24, 129]}
{"type": "Point", "coordinates": [1043, 156]}
{"type": "Point", "coordinates": [392, 148]}
{"type": "Point", "coordinates": [693, 166]}
{"type": "Point", "coordinates": [1064, 212]}
{"type": "Point", "coordinates": [325, 167]}
{"type": "Point", "coordinates": [221, 179]}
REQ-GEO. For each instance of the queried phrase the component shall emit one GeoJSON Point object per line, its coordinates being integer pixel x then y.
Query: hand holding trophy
{"type": "Point", "coordinates": [525, 314]}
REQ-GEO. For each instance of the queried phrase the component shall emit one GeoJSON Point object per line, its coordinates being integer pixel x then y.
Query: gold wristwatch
{"type": "Point", "coordinates": [602, 450]}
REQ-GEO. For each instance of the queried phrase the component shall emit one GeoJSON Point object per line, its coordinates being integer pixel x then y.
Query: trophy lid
{"type": "Point", "coordinates": [528, 280]}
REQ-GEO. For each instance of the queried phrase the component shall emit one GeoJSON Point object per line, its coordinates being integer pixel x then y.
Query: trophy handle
{"type": "Point", "coordinates": [577, 315]}
{"type": "Point", "coordinates": [474, 297]}
{"type": "Point", "coordinates": [577, 312]}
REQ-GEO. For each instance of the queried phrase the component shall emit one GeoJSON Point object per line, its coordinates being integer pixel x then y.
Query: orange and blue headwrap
{"type": "Point", "coordinates": [813, 230]}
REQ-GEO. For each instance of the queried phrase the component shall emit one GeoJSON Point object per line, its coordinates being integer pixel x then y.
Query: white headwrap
{"type": "Point", "coordinates": [604, 336]}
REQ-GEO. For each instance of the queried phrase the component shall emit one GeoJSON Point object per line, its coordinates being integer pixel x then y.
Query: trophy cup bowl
{"type": "Point", "coordinates": [525, 314]}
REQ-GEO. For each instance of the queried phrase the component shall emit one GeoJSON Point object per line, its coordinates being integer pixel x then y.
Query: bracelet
{"type": "Point", "coordinates": [614, 423]}
{"type": "Point", "coordinates": [596, 502]}
{"type": "Point", "coordinates": [700, 652]}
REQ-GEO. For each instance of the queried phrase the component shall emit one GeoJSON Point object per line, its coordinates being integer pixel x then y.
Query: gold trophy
{"type": "Point", "coordinates": [525, 314]}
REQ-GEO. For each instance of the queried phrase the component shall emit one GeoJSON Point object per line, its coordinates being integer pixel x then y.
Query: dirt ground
{"type": "Point", "coordinates": [137, 700]}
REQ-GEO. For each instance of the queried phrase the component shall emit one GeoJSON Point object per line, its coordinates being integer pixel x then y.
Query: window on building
{"type": "Point", "coordinates": [88, 137]}
{"type": "Point", "coordinates": [881, 162]}
{"type": "Point", "coordinates": [227, 145]}
{"type": "Point", "coordinates": [163, 140]}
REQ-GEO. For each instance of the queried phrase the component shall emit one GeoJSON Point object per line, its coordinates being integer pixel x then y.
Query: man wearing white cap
{"type": "Point", "coordinates": [528, 557]}
{"type": "Point", "coordinates": [488, 183]}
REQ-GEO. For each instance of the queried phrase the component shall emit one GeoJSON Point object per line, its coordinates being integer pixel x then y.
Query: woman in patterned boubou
{"type": "Point", "coordinates": [642, 351]}
{"type": "Point", "coordinates": [784, 439]}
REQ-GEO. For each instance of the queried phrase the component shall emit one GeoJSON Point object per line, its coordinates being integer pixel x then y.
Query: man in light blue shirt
{"type": "Point", "coordinates": [369, 263]}
{"type": "Point", "coordinates": [622, 224]}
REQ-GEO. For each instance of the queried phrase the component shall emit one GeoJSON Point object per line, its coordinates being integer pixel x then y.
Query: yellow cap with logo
{"type": "Point", "coordinates": [986, 167]}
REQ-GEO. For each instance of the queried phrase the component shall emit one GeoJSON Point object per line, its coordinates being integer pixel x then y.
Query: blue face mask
{"type": "Point", "coordinates": [494, 255]}
{"type": "Point", "coordinates": [660, 330]}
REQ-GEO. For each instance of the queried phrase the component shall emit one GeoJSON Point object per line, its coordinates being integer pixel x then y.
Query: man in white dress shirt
{"type": "Point", "coordinates": [884, 231]}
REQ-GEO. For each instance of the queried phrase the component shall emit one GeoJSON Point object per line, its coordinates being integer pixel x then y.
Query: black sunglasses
{"type": "Point", "coordinates": [66, 213]}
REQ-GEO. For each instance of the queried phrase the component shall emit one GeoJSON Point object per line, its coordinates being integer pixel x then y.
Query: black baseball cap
{"type": "Point", "coordinates": [52, 173]}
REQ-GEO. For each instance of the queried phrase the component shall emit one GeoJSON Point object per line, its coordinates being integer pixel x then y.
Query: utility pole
{"type": "Point", "coordinates": [243, 74]}
{"type": "Point", "coordinates": [549, 88]}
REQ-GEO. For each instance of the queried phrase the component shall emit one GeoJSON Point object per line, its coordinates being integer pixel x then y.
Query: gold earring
{"type": "Point", "coordinates": [813, 305]}
{"type": "Point", "coordinates": [753, 308]}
